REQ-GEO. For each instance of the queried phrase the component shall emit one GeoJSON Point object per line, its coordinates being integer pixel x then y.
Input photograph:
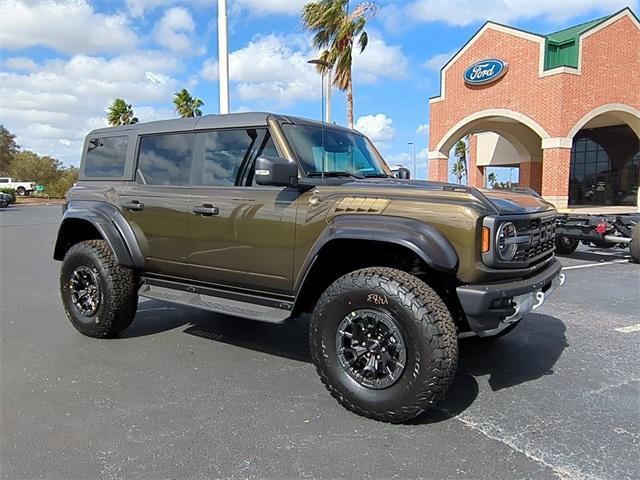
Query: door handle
{"type": "Point", "coordinates": [206, 210]}
{"type": "Point", "coordinates": [133, 205]}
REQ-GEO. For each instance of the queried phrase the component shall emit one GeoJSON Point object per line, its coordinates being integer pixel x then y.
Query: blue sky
{"type": "Point", "coordinates": [62, 62]}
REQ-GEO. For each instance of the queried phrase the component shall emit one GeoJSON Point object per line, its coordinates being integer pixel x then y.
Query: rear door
{"type": "Point", "coordinates": [241, 234]}
{"type": "Point", "coordinates": [156, 204]}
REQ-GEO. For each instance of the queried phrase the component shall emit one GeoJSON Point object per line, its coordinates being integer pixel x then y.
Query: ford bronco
{"type": "Point", "coordinates": [269, 217]}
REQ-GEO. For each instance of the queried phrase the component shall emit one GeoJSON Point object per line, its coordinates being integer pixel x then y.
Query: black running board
{"type": "Point", "coordinates": [220, 301]}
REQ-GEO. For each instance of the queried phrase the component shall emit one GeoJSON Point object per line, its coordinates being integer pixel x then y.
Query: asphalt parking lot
{"type": "Point", "coordinates": [188, 394]}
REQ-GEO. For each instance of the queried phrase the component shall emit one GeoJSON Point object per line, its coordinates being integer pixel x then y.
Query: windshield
{"type": "Point", "coordinates": [331, 150]}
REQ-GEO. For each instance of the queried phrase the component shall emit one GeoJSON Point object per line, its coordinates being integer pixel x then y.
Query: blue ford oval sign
{"type": "Point", "coordinates": [486, 71]}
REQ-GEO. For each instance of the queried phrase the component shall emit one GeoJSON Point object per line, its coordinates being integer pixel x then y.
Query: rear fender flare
{"type": "Point", "coordinates": [111, 225]}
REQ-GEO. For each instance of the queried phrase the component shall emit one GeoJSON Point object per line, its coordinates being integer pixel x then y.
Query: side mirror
{"type": "Point", "coordinates": [404, 173]}
{"type": "Point", "coordinates": [276, 171]}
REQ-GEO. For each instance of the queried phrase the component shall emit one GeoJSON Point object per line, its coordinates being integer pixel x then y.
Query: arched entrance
{"type": "Point", "coordinates": [504, 138]}
{"type": "Point", "coordinates": [605, 158]}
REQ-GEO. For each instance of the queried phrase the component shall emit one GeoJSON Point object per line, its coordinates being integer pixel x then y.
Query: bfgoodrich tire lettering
{"type": "Point", "coordinates": [429, 335]}
{"type": "Point", "coordinates": [114, 289]}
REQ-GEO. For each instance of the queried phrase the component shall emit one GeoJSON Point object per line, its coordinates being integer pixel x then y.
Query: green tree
{"type": "Point", "coordinates": [31, 167]}
{"type": "Point", "coordinates": [459, 170]}
{"type": "Point", "coordinates": [335, 31]}
{"type": "Point", "coordinates": [120, 113]}
{"type": "Point", "coordinates": [186, 105]}
{"type": "Point", "coordinates": [492, 178]}
{"type": "Point", "coordinates": [66, 178]}
{"type": "Point", "coordinates": [8, 150]}
{"type": "Point", "coordinates": [460, 151]}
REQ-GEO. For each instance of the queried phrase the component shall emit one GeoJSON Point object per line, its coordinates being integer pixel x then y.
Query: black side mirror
{"type": "Point", "coordinates": [276, 171]}
{"type": "Point", "coordinates": [404, 173]}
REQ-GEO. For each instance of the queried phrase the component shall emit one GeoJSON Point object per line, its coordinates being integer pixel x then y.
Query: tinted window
{"type": "Point", "coordinates": [165, 159]}
{"type": "Point", "coordinates": [229, 156]}
{"type": "Point", "coordinates": [4, 180]}
{"type": "Point", "coordinates": [106, 156]}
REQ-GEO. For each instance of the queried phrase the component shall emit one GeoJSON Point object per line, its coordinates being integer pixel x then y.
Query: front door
{"type": "Point", "coordinates": [156, 204]}
{"type": "Point", "coordinates": [240, 233]}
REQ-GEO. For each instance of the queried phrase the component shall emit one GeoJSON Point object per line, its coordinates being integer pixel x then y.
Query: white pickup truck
{"type": "Point", "coordinates": [21, 188]}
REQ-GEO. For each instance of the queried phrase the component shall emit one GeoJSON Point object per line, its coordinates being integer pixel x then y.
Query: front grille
{"type": "Point", "coordinates": [541, 232]}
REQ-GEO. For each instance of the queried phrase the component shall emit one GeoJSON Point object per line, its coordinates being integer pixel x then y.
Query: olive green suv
{"type": "Point", "coordinates": [270, 217]}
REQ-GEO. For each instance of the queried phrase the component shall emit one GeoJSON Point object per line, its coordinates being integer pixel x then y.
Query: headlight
{"type": "Point", "coordinates": [506, 246]}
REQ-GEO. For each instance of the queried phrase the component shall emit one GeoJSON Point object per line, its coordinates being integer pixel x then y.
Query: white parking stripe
{"type": "Point", "coordinates": [629, 329]}
{"type": "Point", "coordinates": [589, 265]}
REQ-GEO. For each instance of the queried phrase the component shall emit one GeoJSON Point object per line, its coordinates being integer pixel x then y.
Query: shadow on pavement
{"type": "Point", "coordinates": [527, 353]}
{"type": "Point", "coordinates": [600, 255]}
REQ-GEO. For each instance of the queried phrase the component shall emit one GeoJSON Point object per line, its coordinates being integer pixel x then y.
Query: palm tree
{"type": "Point", "coordinates": [120, 113]}
{"type": "Point", "coordinates": [335, 31]}
{"type": "Point", "coordinates": [186, 105]}
{"type": "Point", "coordinates": [458, 170]}
{"type": "Point", "coordinates": [492, 178]}
{"type": "Point", "coordinates": [460, 151]}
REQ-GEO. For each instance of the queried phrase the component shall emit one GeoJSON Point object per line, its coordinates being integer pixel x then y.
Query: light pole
{"type": "Point", "coordinates": [223, 57]}
{"type": "Point", "coordinates": [326, 102]}
{"type": "Point", "coordinates": [510, 170]}
{"type": "Point", "coordinates": [415, 165]}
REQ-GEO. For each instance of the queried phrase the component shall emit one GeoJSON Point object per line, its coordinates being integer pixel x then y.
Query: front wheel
{"type": "Point", "coordinates": [384, 344]}
{"type": "Point", "coordinates": [99, 296]}
{"type": "Point", "coordinates": [634, 246]}
{"type": "Point", "coordinates": [21, 191]}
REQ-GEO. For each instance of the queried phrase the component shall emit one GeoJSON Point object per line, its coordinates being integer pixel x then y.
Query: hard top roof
{"type": "Point", "coordinates": [231, 120]}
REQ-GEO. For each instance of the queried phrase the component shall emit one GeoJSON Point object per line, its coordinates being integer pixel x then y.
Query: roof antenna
{"type": "Point", "coordinates": [323, 67]}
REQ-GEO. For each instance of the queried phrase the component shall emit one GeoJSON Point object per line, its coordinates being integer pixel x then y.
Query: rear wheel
{"type": "Point", "coordinates": [634, 246]}
{"type": "Point", "coordinates": [566, 245]}
{"type": "Point", "coordinates": [384, 344]}
{"type": "Point", "coordinates": [100, 297]}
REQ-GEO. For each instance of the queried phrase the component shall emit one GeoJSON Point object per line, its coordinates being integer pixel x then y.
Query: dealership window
{"type": "Point", "coordinates": [604, 167]}
{"type": "Point", "coordinates": [106, 156]}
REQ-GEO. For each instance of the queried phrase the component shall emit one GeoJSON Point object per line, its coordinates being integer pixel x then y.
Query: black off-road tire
{"type": "Point", "coordinates": [565, 245]}
{"type": "Point", "coordinates": [634, 246]}
{"type": "Point", "coordinates": [425, 323]}
{"type": "Point", "coordinates": [118, 290]}
{"type": "Point", "coordinates": [21, 191]}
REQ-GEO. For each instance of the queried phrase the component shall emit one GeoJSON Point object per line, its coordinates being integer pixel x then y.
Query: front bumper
{"type": "Point", "coordinates": [488, 309]}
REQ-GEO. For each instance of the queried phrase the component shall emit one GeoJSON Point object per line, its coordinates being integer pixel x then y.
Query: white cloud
{"type": "Point", "coordinates": [23, 64]}
{"type": "Point", "coordinates": [379, 60]}
{"type": "Point", "coordinates": [270, 68]}
{"type": "Point", "coordinates": [423, 129]}
{"type": "Point", "coordinates": [438, 61]}
{"type": "Point", "coordinates": [253, 8]}
{"type": "Point", "coordinates": [263, 7]}
{"type": "Point", "coordinates": [378, 127]}
{"type": "Point", "coordinates": [52, 108]}
{"type": "Point", "coordinates": [174, 31]}
{"type": "Point", "coordinates": [464, 12]}
{"type": "Point", "coordinates": [69, 26]}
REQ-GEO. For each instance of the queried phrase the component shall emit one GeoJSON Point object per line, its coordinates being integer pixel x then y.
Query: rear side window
{"type": "Point", "coordinates": [165, 159]}
{"type": "Point", "coordinates": [106, 156]}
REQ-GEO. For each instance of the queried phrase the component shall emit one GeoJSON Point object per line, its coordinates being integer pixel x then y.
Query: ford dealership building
{"type": "Point", "coordinates": [563, 108]}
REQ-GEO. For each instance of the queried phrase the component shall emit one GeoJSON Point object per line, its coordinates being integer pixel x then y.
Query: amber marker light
{"type": "Point", "coordinates": [485, 239]}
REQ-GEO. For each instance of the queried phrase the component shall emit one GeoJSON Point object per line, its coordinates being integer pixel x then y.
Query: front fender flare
{"type": "Point", "coordinates": [423, 239]}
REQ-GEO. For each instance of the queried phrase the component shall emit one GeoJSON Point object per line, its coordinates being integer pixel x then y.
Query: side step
{"type": "Point", "coordinates": [243, 305]}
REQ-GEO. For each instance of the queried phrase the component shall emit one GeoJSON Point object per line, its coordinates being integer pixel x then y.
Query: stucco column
{"type": "Point", "coordinates": [555, 176]}
{"type": "Point", "coordinates": [438, 167]}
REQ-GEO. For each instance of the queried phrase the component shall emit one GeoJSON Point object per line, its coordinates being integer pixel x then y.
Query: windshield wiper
{"type": "Point", "coordinates": [376, 175]}
{"type": "Point", "coordinates": [333, 174]}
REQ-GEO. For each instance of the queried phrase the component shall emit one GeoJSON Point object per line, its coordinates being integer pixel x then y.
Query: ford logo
{"type": "Point", "coordinates": [484, 72]}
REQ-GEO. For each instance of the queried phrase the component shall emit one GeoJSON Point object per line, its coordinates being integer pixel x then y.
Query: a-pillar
{"type": "Point", "coordinates": [556, 162]}
{"type": "Point", "coordinates": [475, 173]}
{"type": "Point", "coordinates": [438, 167]}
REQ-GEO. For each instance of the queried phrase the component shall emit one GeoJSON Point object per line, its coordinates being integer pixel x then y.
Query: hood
{"type": "Point", "coordinates": [504, 201]}
{"type": "Point", "coordinates": [513, 203]}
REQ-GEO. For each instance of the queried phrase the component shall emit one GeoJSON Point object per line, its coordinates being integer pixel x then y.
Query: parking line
{"type": "Point", "coordinates": [629, 329]}
{"type": "Point", "coordinates": [589, 265]}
